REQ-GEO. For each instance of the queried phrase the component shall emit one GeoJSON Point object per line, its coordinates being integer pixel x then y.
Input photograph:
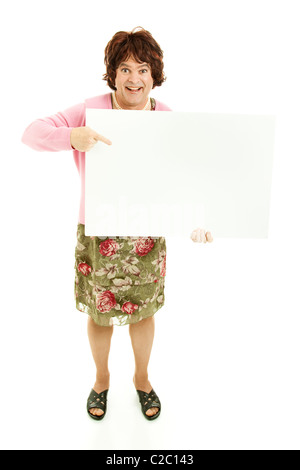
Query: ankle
{"type": "Point", "coordinates": [102, 381]}
{"type": "Point", "coordinates": [102, 375]}
{"type": "Point", "coordinates": [140, 376]}
{"type": "Point", "coordinates": [141, 382]}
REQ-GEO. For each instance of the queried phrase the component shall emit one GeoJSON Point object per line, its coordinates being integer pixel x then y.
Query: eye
{"type": "Point", "coordinates": [123, 69]}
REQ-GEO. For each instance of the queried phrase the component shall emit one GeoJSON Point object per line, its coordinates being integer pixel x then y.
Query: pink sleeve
{"type": "Point", "coordinates": [53, 133]}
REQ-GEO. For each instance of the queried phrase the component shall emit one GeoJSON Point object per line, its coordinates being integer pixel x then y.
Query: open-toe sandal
{"type": "Point", "coordinates": [97, 400]}
{"type": "Point", "coordinates": [149, 400]}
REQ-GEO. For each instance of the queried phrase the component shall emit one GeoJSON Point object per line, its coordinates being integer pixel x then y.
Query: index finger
{"type": "Point", "coordinates": [103, 139]}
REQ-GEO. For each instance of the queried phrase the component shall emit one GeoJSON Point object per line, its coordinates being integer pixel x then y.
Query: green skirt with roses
{"type": "Point", "coordinates": [119, 280]}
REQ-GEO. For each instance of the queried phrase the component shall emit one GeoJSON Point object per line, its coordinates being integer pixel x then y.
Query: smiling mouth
{"type": "Point", "coordinates": [133, 90]}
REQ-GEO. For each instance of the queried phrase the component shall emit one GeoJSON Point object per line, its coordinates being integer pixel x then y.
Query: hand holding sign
{"type": "Point", "coordinates": [198, 235]}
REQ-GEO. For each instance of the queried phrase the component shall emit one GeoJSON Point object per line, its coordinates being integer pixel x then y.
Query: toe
{"type": "Point", "coordinates": [96, 412]}
{"type": "Point", "coordinates": [152, 411]}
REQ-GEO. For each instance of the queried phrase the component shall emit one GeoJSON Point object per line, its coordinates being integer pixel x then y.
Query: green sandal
{"type": "Point", "coordinates": [97, 400]}
{"type": "Point", "coordinates": [149, 400]}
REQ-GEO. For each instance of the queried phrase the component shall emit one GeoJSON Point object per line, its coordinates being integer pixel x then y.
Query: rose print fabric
{"type": "Point", "coordinates": [119, 280]}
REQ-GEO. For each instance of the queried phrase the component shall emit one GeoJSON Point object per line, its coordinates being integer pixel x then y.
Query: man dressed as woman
{"type": "Point", "coordinates": [118, 280]}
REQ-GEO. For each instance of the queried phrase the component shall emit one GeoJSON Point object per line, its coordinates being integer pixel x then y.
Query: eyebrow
{"type": "Point", "coordinates": [142, 65]}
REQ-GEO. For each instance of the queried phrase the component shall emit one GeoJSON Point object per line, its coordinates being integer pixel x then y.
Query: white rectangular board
{"type": "Point", "coordinates": [167, 173]}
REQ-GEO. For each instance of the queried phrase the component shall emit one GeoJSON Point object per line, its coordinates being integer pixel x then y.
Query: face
{"type": "Point", "coordinates": [131, 74]}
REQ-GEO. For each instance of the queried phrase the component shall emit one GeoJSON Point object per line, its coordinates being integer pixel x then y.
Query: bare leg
{"type": "Point", "coordinates": [142, 335]}
{"type": "Point", "coordinates": [100, 340]}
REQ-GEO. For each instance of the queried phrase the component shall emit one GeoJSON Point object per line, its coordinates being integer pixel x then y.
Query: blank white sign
{"type": "Point", "coordinates": [167, 173]}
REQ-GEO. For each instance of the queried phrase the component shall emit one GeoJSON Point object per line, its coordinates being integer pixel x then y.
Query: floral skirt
{"type": "Point", "coordinates": [119, 281]}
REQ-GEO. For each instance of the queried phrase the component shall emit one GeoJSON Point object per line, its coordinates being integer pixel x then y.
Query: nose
{"type": "Point", "coordinates": [134, 78]}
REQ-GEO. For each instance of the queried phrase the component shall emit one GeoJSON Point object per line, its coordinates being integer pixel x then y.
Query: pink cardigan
{"type": "Point", "coordinates": [53, 134]}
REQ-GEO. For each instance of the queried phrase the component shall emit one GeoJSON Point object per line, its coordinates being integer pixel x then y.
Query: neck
{"type": "Point", "coordinates": [118, 105]}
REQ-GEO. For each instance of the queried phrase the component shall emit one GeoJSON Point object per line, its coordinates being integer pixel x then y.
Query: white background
{"type": "Point", "coordinates": [225, 360]}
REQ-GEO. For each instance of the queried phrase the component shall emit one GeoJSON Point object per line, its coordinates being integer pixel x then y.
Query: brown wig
{"type": "Point", "coordinates": [141, 46]}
